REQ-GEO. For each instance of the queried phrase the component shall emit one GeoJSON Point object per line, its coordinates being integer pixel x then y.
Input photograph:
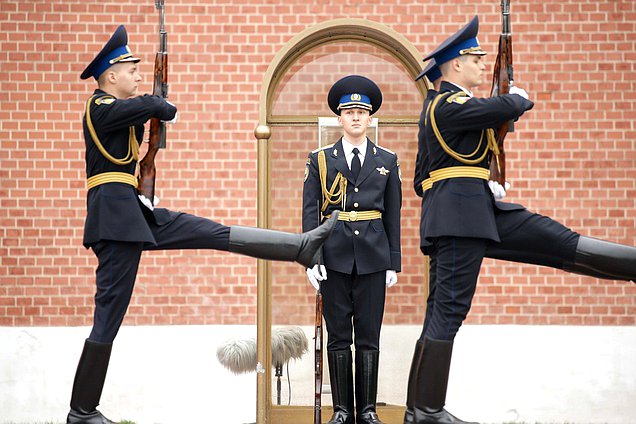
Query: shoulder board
{"type": "Point", "coordinates": [104, 100]}
{"type": "Point", "coordinates": [323, 148]}
{"type": "Point", "coordinates": [385, 149]}
{"type": "Point", "coordinates": [459, 98]}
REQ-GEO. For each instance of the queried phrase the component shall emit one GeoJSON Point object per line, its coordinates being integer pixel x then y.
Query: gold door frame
{"type": "Point", "coordinates": [338, 30]}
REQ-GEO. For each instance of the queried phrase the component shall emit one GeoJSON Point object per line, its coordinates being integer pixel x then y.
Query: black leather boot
{"type": "Point", "coordinates": [604, 259]}
{"type": "Point", "coordinates": [341, 375]}
{"type": "Point", "coordinates": [410, 388]}
{"type": "Point", "coordinates": [88, 384]}
{"type": "Point", "coordinates": [367, 362]}
{"type": "Point", "coordinates": [432, 382]}
{"type": "Point", "coordinates": [281, 246]}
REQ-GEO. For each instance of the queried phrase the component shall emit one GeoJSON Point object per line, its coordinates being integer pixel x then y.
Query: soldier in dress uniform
{"type": "Point", "coordinates": [120, 225]}
{"type": "Point", "coordinates": [462, 220]}
{"type": "Point", "coordinates": [363, 255]}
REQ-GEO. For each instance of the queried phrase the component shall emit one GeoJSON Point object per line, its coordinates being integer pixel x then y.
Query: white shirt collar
{"type": "Point", "coordinates": [465, 90]}
{"type": "Point", "coordinates": [348, 150]}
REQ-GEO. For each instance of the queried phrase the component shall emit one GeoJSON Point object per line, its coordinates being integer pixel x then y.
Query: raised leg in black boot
{"type": "Point", "coordinates": [432, 382]}
{"type": "Point", "coordinates": [281, 246]}
{"type": "Point", "coordinates": [88, 384]}
{"type": "Point", "coordinates": [341, 375]}
{"type": "Point", "coordinates": [367, 386]}
{"type": "Point", "coordinates": [604, 259]}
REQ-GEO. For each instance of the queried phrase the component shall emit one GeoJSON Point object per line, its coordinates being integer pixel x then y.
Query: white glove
{"type": "Point", "coordinates": [391, 278]}
{"type": "Point", "coordinates": [176, 114]}
{"type": "Point", "coordinates": [498, 190]}
{"type": "Point", "coordinates": [520, 91]}
{"type": "Point", "coordinates": [147, 203]}
{"type": "Point", "coordinates": [315, 274]}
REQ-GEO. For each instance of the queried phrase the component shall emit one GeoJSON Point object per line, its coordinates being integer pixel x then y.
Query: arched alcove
{"type": "Point", "coordinates": [315, 52]}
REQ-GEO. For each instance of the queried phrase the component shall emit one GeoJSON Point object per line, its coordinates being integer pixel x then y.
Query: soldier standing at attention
{"type": "Point", "coordinates": [363, 256]}
{"type": "Point", "coordinates": [462, 222]}
{"type": "Point", "coordinates": [120, 225]}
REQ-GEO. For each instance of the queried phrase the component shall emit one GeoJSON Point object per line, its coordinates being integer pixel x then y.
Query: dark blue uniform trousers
{"type": "Point", "coordinates": [525, 237]}
{"type": "Point", "coordinates": [119, 261]}
{"type": "Point", "coordinates": [353, 302]}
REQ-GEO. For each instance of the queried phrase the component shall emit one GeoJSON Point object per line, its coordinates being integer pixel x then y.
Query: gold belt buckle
{"type": "Point", "coordinates": [353, 216]}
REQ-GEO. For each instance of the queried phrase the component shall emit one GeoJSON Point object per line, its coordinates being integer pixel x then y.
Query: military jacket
{"type": "Point", "coordinates": [113, 209]}
{"type": "Point", "coordinates": [370, 245]}
{"type": "Point", "coordinates": [462, 207]}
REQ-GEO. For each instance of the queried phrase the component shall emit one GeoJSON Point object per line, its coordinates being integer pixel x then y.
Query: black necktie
{"type": "Point", "coordinates": [355, 163]}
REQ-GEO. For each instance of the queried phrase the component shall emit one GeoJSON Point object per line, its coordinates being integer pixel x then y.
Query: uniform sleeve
{"type": "Point", "coordinates": [421, 160]}
{"type": "Point", "coordinates": [123, 113]}
{"type": "Point", "coordinates": [392, 214]}
{"type": "Point", "coordinates": [480, 113]}
{"type": "Point", "coordinates": [311, 194]}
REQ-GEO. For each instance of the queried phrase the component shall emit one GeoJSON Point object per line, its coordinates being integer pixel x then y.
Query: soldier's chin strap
{"type": "Point", "coordinates": [604, 259]}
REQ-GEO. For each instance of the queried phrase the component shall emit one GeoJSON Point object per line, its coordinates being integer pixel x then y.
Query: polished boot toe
{"type": "Point", "coordinates": [439, 417]}
{"type": "Point", "coordinates": [368, 418]}
{"type": "Point", "coordinates": [312, 241]}
{"type": "Point", "coordinates": [408, 416]}
{"type": "Point", "coordinates": [95, 417]}
{"type": "Point", "coordinates": [340, 417]}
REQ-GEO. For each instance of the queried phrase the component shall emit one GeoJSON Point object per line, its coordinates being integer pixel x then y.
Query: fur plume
{"type": "Point", "coordinates": [288, 343]}
{"type": "Point", "coordinates": [238, 356]}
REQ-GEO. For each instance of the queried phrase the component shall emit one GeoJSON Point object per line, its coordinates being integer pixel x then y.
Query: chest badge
{"type": "Point", "coordinates": [383, 171]}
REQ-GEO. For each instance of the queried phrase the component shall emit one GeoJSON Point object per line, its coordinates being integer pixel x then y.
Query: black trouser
{"type": "Point", "coordinates": [458, 260]}
{"type": "Point", "coordinates": [525, 237]}
{"type": "Point", "coordinates": [352, 301]}
{"type": "Point", "coordinates": [119, 261]}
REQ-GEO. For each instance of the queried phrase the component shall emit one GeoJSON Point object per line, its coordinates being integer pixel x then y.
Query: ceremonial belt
{"type": "Point", "coordinates": [353, 216]}
{"type": "Point", "coordinates": [112, 177]}
{"type": "Point", "coordinates": [455, 172]}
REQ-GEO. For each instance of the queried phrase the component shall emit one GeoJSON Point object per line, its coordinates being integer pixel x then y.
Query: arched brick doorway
{"type": "Point", "coordinates": [293, 96]}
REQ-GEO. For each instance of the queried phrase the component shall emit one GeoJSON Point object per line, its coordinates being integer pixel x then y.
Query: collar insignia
{"type": "Point", "coordinates": [383, 171]}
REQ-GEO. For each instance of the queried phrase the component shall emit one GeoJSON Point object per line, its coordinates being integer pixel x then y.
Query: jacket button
{"type": "Point", "coordinates": [356, 232]}
{"type": "Point", "coordinates": [355, 205]}
{"type": "Point", "coordinates": [356, 189]}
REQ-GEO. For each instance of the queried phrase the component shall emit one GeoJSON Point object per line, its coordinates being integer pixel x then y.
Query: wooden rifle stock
{"type": "Point", "coordinates": [502, 80]}
{"type": "Point", "coordinates": [147, 169]}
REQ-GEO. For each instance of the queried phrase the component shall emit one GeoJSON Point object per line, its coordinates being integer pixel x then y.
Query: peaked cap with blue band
{"type": "Point", "coordinates": [431, 71]}
{"type": "Point", "coordinates": [115, 51]}
{"type": "Point", "coordinates": [461, 43]}
{"type": "Point", "coordinates": [354, 91]}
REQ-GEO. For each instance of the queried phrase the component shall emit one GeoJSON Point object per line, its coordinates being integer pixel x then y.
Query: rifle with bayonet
{"type": "Point", "coordinates": [318, 360]}
{"type": "Point", "coordinates": [318, 345]}
{"type": "Point", "coordinates": [502, 80]}
{"type": "Point", "coordinates": [147, 169]}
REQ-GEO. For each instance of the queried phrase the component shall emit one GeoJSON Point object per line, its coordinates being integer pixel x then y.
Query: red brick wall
{"type": "Point", "coordinates": [573, 157]}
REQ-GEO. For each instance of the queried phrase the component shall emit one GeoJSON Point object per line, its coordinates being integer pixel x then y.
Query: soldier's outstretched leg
{"type": "Point", "coordinates": [88, 384]}
{"type": "Point", "coordinates": [281, 246]}
{"type": "Point", "coordinates": [410, 389]}
{"type": "Point", "coordinates": [604, 259]}
{"type": "Point", "coordinates": [432, 382]}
